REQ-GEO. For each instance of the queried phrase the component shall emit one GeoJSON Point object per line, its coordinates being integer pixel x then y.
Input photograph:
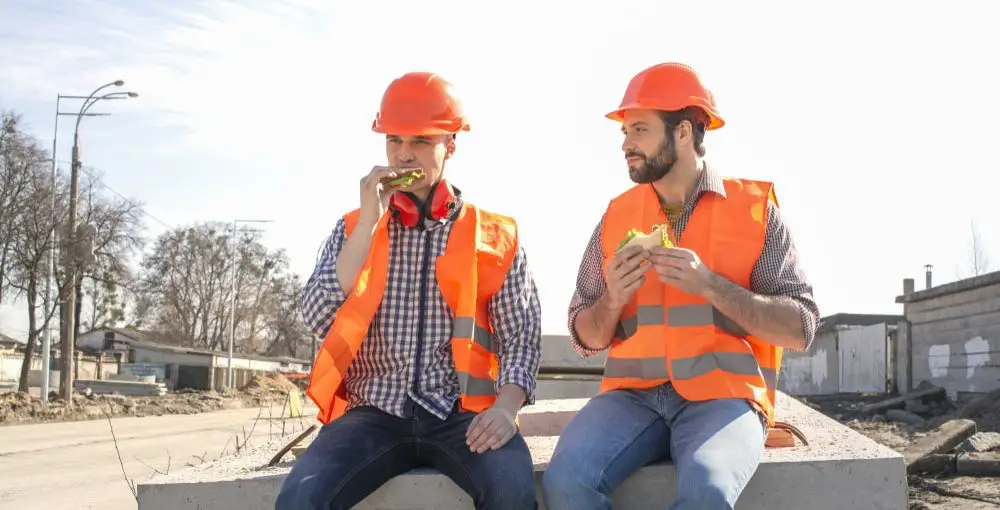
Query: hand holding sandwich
{"type": "Point", "coordinates": [681, 268]}
{"type": "Point", "coordinates": [378, 186]}
{"type": "Point", "coordinates": [625, 275]}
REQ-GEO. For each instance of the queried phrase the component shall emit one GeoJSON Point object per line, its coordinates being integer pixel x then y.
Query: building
{"type": "Point", "coordinates": [851, 353]}
{"type": "Point", "coordinates": [179, 367]}
{"type": "Point", "coordinates": [951, 335]}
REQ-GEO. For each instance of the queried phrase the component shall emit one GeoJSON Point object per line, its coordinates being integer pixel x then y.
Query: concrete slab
{"type": "Point", "coordinates": [840, 470]}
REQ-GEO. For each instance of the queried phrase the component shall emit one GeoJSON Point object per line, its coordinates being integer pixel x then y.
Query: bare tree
{"type": "Point", "coordinates": [28, 221]}
{"type": "Point", "coordinates": [118, 224]}
{"type": "Point", "coordinates": [16, 161]}
{"type": "Point", "coordinates": [185, 292]}
{"type": "Point", "coordinates": [977, 258]}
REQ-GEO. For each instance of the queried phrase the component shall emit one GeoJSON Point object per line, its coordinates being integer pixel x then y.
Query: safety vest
{"type": "Point", "coordinates": [480, 250]}
{"type": "Point", "coordinates": [665, 334]}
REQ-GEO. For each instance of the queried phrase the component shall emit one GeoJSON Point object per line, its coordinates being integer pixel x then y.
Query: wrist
{"type": "Point", "coordinates": [714, 286]}
{"type": "Point", "coordinates": [510, 398]}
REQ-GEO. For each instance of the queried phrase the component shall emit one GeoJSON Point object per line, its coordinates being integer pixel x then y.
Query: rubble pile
{"type": "Point", "coordinates": [951, 450]}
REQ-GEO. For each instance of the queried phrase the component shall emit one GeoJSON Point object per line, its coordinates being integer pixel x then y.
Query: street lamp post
{"type": "Point", "coordinates": [69, 343]}
{"type": "Point", "coordinates": [53, 240]}
{"type": "Point", "coordinates": [232, 301]}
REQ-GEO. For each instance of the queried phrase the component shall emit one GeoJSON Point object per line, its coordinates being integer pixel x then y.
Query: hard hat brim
{"type": "Point", "coordinates": [715, 121]}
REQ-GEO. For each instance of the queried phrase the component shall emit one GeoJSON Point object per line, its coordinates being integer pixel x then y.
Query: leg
{"type": "Point", "coordinates": [502, 479]}
{"type": "Point", "coordinates": [350, 458]}
{"type": "Point", "coordinates": [716, 446]}
{"type": "Point", "coordinates": [614, 435]}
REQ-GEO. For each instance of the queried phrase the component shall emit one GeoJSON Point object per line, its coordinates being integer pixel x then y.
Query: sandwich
{"type": "Point", "coordinates": [404, 177]}
{"type": "Point", "coordinates": [658, 236]}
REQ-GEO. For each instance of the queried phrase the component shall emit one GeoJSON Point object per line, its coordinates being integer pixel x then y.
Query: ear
{"type": "Point", "coordinates": [684, 132]}
{"type": "Point", "coordinates": [449, 148]}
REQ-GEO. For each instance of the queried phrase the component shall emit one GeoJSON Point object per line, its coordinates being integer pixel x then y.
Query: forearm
{"type": "Point", "coordinates": [774, 319]}
{"type": "Point", "coordinates": [595, 325]}
{"type": "Point", "coordinates": [352, 256]}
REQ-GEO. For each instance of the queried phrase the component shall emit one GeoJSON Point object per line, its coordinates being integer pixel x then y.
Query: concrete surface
{"type": "Point", "coordinates": [74, 466]}
{"type": "Point", "coordinates": [840, 470]}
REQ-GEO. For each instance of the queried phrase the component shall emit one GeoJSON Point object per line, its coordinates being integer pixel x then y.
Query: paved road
{"type": "Point", "coordinates": [73, 465]}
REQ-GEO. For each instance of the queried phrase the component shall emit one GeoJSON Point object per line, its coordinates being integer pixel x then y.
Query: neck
{"type": "Point", "coordinates": [676, 187]}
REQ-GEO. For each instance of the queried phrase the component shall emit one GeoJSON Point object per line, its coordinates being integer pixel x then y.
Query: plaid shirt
{"type": "Point", "coordinates": [777, 272]}
{"type": "Point", "coordinates": [409, 355]}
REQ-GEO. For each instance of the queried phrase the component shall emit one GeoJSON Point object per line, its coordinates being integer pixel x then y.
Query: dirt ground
{"type": "Point", "coordinates": [941, 491]}
{"type": "Point", "coordinates": [20, 408]}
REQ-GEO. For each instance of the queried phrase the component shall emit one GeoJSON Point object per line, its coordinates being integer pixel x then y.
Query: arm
{"type": "Point", "coordinates": [592, 321]}
{"type": "Point", "coordinates": [355, 251]}
{"type": "Point", "coordinates": [322, 294]}
{"type": "Point", "coordinates": [516, 315]}
{"type": "Point", "coordinates": [779, 306]}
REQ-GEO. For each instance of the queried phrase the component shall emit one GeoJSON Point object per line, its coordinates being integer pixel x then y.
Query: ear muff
{"type": "Point", "coordinates": [410, 210]}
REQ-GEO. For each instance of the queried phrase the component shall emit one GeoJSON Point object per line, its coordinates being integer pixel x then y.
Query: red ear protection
{"type": "Point", "coordinates": [410, 210]}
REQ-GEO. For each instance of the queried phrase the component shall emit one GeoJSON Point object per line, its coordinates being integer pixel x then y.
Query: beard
{"type": "Point", "coordinates": [654, 167]}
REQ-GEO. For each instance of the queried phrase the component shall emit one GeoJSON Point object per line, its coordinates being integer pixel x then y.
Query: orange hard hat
{"type": "Point", "coordinates": [420, 104]}
{"type": "Point", "coordinates": [668, 87]}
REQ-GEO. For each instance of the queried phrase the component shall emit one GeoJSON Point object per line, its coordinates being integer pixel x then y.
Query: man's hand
{"type": "Point", "coordinates": [374, 196]}
{"type": "Point", "coordinates": [683, 269]}
{"type": "Point", "coordinates": [625, 275]}
{"type": "Point", "coordinates": [490, 429]}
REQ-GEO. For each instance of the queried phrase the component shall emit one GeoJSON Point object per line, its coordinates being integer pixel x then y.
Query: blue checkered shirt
{"type": "Point", "coordinates": [404, 356]}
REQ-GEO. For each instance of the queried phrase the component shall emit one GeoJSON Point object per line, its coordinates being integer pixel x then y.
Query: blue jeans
{"type": "Point", "coordinates": [354, 455]}
{"type": "Point", "coordinates": [715, 446]}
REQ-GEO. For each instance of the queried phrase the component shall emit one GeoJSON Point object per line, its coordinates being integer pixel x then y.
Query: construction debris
{"type": "Point", "coordinates": [126, 388]}
{"type": "Point", "coordinates": [944, 439]}
{"type": "Point", "coordinates": [20, 408]}
{"type": "Point", "coordinates": [952, 451]}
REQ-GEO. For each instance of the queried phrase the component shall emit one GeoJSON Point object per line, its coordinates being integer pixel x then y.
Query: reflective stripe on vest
{"type": "Point", "coordinates": [480, 250]}
{"type": "Point", "coordinates": [665, 334]}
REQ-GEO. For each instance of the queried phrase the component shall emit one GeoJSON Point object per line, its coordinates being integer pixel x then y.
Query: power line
{"type": "Point", "coordinates": [88, 170]}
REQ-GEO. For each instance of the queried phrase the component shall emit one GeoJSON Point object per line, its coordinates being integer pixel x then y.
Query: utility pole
{"type": "Point", "coordinates": [232, 299]}
{"type": "Point", "coordinates": [73, 261]}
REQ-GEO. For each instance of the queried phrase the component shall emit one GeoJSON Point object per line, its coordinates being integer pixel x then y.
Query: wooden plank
{"type": "Point", "coordinates": [978, 464]}
{"type": "Point", "coordinates": [935, 463]}
{"type": "Point", "coordinates": [898, 402]}
{"type": "Point", "coordinates": [943, 439]}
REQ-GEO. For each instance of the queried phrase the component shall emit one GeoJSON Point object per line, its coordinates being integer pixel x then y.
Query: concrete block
{"type": "Point", "coordinates": [840, 470]}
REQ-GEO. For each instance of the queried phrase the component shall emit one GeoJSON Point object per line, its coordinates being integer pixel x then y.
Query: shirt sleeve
{"type": "Point", "coordinates": [322, 294]}
{"type": "Point", "coordinates": [590, 286]}
{"type": "Point", "coordinates": [779, 273]}
{"type": "Point", "coordinates": [516, 316]}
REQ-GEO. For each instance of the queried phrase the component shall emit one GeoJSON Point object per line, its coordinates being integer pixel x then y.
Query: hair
{"type": "Point", "coordinates": [695, 116]}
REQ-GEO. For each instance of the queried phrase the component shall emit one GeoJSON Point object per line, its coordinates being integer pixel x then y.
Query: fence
{"type": "Point", "coordinates": [86, 368]}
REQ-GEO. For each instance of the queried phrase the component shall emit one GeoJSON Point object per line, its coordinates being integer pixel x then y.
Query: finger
{"type": "Point", "coordinates": [628, 254]}
{"type": "Point", "coordinates": [472, 427]}
{"type": "Point", "coordinates": [380, 172]}
{"type": "Point", "coordinates": [482, 443]}
{"type": "Point", "coordinates": [492, 436]}
{"type": "Point", "coordinates": [629, 265]}
{"type": "Point", "coordinates": [508, 435]}
{"type": "Point", "coordinates": [476, 434]}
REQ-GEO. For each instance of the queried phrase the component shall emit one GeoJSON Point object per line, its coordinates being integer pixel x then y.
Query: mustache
{"type": "Point", "coordinates": [633, 154]}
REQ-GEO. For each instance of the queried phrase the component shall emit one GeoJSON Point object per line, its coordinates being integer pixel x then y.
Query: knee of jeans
{"type": "Point", "coordinates": [297, 493]}
{"type": "Point", "coordinates": [566, 475]}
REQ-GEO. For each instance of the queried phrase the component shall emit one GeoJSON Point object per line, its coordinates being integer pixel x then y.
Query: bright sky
{"type": "Point", "coordinates": [874, 119]}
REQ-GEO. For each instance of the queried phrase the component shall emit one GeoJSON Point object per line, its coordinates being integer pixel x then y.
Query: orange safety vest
{"type": "Point", "coordinates": [480, 250]}
{"type": "Point", "coordinates": [666, 334]}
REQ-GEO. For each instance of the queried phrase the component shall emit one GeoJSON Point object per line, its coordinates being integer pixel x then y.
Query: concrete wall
{"type": "Point", "coordinates": [144, 355]}
{"type": "Point", "coordinates": [954, 335]}
{"type": "Point", "coordinates": [10, 368]}
{"type": "Point", "coordinates": [814, 372]}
